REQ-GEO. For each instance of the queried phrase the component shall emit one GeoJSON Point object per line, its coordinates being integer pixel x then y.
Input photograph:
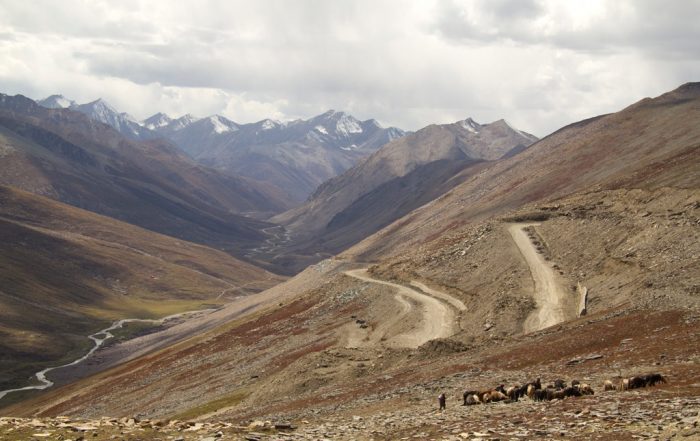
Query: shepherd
{"type": "Point", "coordinates": [441, 400]}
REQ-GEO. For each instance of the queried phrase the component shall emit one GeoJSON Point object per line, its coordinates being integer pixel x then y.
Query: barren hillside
{"type": "Point", "coordinates": [67, 273]}
{"type": "Point", "coordinates": [598, 224]}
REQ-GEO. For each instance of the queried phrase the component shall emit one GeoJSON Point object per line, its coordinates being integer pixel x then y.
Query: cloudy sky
{"type": "Point", "coordinates": [540, 64]}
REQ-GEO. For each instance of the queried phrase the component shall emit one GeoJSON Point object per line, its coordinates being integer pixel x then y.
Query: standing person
{"type": "Point", "coordinates": [441, 400]}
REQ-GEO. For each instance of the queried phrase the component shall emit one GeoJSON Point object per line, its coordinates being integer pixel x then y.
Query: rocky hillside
{"type": "Point", "coordinates": [649, 145]}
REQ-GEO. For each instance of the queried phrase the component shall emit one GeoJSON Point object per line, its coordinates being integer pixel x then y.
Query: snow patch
{"type": "Point", "coordinates": [394, 133]}
{"type": "Point", "coordinates": [347, 125]}
{"type": "Point", "coordinates": [470, 125]}
{"type": "Point", "coordinates": [183, 122]}
{"type": "Point", "coordinates": [269, 124]}
{"type": "Point", "coordinates": [221, 126]}
{"type": "Point", "coordinates": [321, 129]}
{"type": "Point", "coordinates": [156, 121]}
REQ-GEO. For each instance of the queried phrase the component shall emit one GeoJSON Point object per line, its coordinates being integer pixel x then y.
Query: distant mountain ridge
{"type": "Point", "coordinates": [100, 110]}
{"type": "Point", "coordinates": [295, 156]}
{"type": "Point", "coordinates": [398, 178]}
{"type": "Point", "coordinates": [63, 154]}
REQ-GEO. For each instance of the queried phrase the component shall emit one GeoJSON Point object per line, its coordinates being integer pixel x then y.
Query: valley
{"type": "Point", "coordinates": [460, 257]}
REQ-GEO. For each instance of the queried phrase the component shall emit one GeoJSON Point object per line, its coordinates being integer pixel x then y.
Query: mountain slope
{"type": "Point", "coordinates": [66, 273]}
{"type": "Point", "coordinates": [295, 157]}
{"type": "Point", "coordinates": [397, 179]}
{"type": "Point", "coordinates": [66, 156]}
{"type": "Point", "coordinates": [650, 144]}
{"type": "Point", "coordinates": [617, 203]}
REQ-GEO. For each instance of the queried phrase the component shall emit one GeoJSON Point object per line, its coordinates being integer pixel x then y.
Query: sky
{"type": "Point", "coordinates": [540, 64]}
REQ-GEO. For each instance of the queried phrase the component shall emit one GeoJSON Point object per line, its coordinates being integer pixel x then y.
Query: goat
{"type": "Point", "coordinates": [559, 384]}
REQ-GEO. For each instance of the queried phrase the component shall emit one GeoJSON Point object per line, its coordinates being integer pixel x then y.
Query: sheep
{"type": "Point", "coordinates": [624, 384]}
{"type": "Point", "coordinates": [559, 384]}
{"type": "Point", "coordinates": [532, 387]}
{"type": "Point", "coordinates": [635, 382]}
{"type": "Point", "coordinates": [539, 394]}
{"type": "Point", "coordinates": [647, 380]}
{"type": "Point", "coordinates": [585, 389]}
{"type": "Point", "coordinates": [516, 392]}
{"type": "Point", "coordinates": [608, 385]}
{"type": "Point", "coordinates": [470, 397]}
{"type": "Point", "coordinates": [496, 395]}
{"type": "Point", "coordinates": [653, 379]}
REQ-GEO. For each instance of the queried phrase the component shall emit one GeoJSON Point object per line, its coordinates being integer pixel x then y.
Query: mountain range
{"type": "Point", "coordinates": [459, 257]}
{"type": "Point", "coordinates": [64, 155]}
{"type": "Point", "coordinates": [398, 178]}
{"type": "Point", "coordinates": [294, 157]}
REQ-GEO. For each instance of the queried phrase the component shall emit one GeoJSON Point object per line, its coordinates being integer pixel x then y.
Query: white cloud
{"type": "Point", "coordinates": [539, 64]}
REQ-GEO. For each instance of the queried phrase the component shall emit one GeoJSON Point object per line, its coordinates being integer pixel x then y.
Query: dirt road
{"type": "Point", "coordinates": [437, 318]}
{"type": "Point", "coordinates": [549, 293]}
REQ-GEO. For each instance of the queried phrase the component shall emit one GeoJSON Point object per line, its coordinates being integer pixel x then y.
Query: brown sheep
{"type": "Point", "coordinates": [585, 389]}
{"type": "Point", "coordinates": [470, 394]}
{"type": "Point", "coordinates": [653, 379]}
{"type": "Point", "coordinates": [608, 385]}
{"type": "Point", "coordinates": [472, 399]}
{"type": "Point", "coordinates": [496, 396]}
{"type": "Point", "coordinates": [624, 384]}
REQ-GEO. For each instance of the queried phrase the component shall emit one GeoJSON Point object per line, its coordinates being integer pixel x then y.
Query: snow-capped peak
{"type": "Point", "coordinates": [395, 133]}
{"type": "Point", "coordinates": [347, 125]}
{"type": "Point", "coordinates": [221, 124]}
{"type": "Point", "coordinates": [182, 122]}
{"type": "Point", "coordinates": [56, 102]}
{"type": "Point", "coordinates": [470, 125]}
{"type": "Point", "coordinates": [101, 105]}
{"type": "Point", "coordinates": [268, 124]}
{"type": "Point", "coordinates": [156, 121]}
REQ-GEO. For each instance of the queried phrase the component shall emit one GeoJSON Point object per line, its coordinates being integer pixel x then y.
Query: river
{"type": "Point", "coordinates": [98, 338]}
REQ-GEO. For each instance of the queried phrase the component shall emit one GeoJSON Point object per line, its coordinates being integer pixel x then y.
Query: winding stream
{"type": "Point", "coordinates": [98, 338]}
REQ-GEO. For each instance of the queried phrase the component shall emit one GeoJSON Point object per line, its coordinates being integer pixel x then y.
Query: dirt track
{"type": "Point", "coordinates": [549, 294]}
{"type": "Point", "coordinates": [437, 319]}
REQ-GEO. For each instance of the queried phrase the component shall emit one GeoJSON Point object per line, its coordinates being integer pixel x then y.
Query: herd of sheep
{"type": "Point", "coordinates": [556, 391]}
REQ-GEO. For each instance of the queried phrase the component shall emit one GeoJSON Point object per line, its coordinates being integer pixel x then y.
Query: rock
{"type": "Point", "coordinates": [256, 425]}
{"type": "Point", "coordinates": [194, 427]}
